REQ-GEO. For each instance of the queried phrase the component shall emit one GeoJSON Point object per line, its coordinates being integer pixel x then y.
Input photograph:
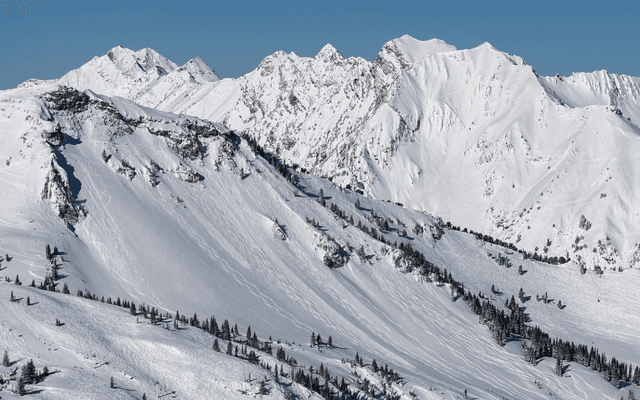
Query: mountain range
{"type": "Point", "coordinates": [373, 202]}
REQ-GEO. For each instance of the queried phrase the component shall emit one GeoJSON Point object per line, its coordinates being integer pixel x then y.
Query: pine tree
{"type": "Point", "coordinates": [216, 345]}
{"type": "Point", "coordinates": [313, 339]}
{"type": "Point", "coordinates": [65, 289]}
{"type": "Point", "coordinates": [29, 373]}
{"type": "Point", "coordinates": [17, 281]}
{"type": "Point", "coordinates": [229, 349]}
{"type": "Point", "coordinates": [330, 342]}
{"type": "Point", "coordinates": [6, 362]}
{"type": "Point", "coordinates": [47, 252]}
{"type": "Point", "coordinates": [357, 204]}
{"type": "Point", "coordinates": [560, 304]}
{"type": "Point", "coordinates": [520, 270]}
{"type": "Point", "coordinates": [558, 366]}
{"type": "Point", "coordinates": [521, 295]}
{"type": "Point", "coordinates": [58, 323]}
{"type": "Point", "coordinates": [112, 383]}
{"type": "Point", "coordinates": [263, 390]}
{"type": "Point", "coordinates": [321, 198]}
{"type": "Point", "coordinates": [21, 390]}
{"type": "Point", "coordinates": [12, 298]}
{"type": "Point", "coordinates": [132, 309]}
{"type": "Point", "coordinates": [226, 333]}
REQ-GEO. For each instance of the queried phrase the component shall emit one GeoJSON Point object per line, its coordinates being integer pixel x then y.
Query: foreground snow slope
{"type": "Point", "coordinates": [475, 136]}
{"type": "Point", "coordinates": [181, 215]}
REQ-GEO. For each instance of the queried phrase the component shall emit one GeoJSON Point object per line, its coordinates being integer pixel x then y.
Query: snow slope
{"type": "Point", "coordinates": [474, 136]}
{"type": "Point", "coordinates": [181, 215]}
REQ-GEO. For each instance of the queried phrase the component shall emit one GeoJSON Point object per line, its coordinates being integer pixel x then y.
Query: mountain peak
{"type": "Point", "coordinates": [329, 53]}
{"type": "Point", "coordinates": [200, 69]}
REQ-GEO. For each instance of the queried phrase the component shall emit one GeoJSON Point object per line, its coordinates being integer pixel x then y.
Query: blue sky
{"type": "Point", "coordinates": [234, 36]}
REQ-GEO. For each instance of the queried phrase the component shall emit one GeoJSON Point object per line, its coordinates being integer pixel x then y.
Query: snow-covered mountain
{"type": "Point", "coordinates": [177, 212]}
{"type": "Point", "coordinates": [474, 136]}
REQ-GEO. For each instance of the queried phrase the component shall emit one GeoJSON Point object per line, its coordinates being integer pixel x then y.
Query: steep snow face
{"type": "Point", "coordinates": [182, 214]}
{"type": "Point", "coordinates": [474, 136]}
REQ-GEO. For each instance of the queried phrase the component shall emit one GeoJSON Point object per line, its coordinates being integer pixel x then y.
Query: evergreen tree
{"type": "Point", "coordinates": [47, 252]}
{"type": "Point", "coordinates": [560, 304]}
{"type": "Point", "coordinates": [112, 383]}
{"type": "Point", "coordinates": [21, 389]}
{"type": "Point", "coordinates": [6, 362]}
{"type": "Point", "coordinates": [17, 281]}
{"type": "Point", "coordinates": [226, 333]}
{"type": "Point", "coordinates": [520, 270]}
{"type": "Point", "coordinates": [12, 298]}
{"type": "Point", "coordinates": [29, 373]}
{"type": "Point", "coordinates": [229, 349]}
{"type": "Point", "coordinates": [263, 389]}
{"type": "Point", "coordinates": [330, 342]}
{"type": "Point", "coordinates": [65, 289]}
{"type": "Point", "coordinates": [558, 370]}
{"type": "Point", "coordinates": [216, 345]}
{"type": "Point", "coordinates": [132, 309]}
{"type": "Point", "coordinates": [357, 204]}
{"type": "Point", "coordinates": [313, 339]}
{"type": "Point", "coordinates": [321, 198]}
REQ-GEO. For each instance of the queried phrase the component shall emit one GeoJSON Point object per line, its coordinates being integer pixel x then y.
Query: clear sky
{"type": "Point", "coordinates": [233, 36]}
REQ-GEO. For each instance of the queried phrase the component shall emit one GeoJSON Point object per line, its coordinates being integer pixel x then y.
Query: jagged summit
{"type": "Point", "coordinates": [329, 54]}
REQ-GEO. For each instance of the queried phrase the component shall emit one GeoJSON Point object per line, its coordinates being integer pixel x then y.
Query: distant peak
{"type": "Point", "coordinates": [118, 53]}
{"type": "Point", "coordinates": [329, 53]}
{"type": "Point", "coordinates": [486, 45]}
{"type": "Point", "coordinates": [198, 68]}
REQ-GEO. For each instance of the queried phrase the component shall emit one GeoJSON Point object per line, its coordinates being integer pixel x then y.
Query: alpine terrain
{"type": "Point", "coordinates": [436, 224]}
